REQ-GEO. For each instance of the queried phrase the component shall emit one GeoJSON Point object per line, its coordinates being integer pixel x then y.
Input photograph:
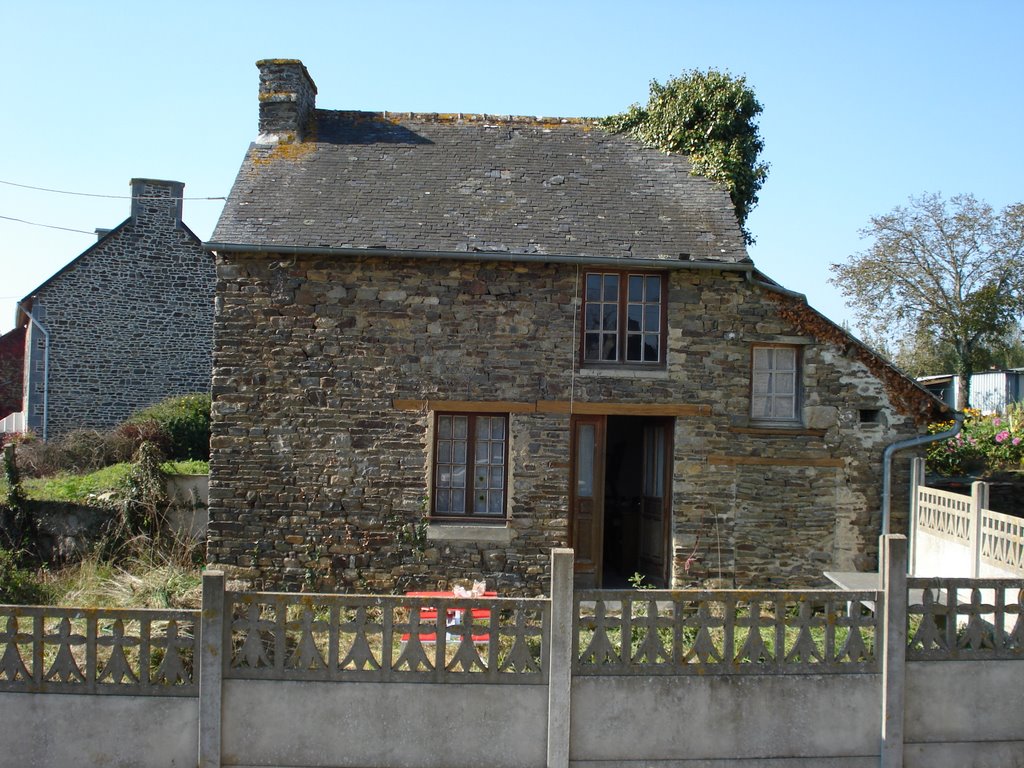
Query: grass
{"type": "Point", "coordinates": [89, 488]}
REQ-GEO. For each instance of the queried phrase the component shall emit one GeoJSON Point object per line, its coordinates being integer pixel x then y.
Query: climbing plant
{"type": "Point", "coordinates": [710, 117]}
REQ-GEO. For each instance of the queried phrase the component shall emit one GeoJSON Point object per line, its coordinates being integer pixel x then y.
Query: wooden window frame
{"type": "Point", "coordinates": [796, 420]}
{"type": "Point", "coordinates": [468, 516]}
{"type": "Point", "coordinates": [622, 332]}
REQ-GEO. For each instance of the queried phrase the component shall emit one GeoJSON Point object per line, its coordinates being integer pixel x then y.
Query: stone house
{"type": "Point", "coordinates": [445, 344]}
{"type": "Point", "coordinates": [127, 323]}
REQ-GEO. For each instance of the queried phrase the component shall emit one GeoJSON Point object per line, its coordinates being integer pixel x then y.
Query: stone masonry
{"type": "Point", "coordinates": [318, 480]}
{"type": "Point", "coordinates": [130, 320]}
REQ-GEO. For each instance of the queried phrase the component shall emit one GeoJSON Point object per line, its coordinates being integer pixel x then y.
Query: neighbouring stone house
{"type": "Point", "coordinates": [124, 325]}
{"type": "Point", "coordinates": [447, 343]}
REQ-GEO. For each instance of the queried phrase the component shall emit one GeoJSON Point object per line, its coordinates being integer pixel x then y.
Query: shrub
{"type": "Point", "coordinates": [82, 450]}
{"type": "Point", "coordinates": [18, 585]}
{"type": "Point", "coordinates": [185, 421]}
{"type": "Point", "coordinates": [986, 444]}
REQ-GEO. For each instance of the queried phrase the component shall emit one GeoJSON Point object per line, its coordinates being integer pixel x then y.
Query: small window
{"type": "Point", "coordinates": [470, 466]}
{"type": "Point", "coordinates": [774, 384]}
{"type": "Point", "coordinates": [623, 319]}
{"type": "Point", "coordinates": [40, 366]}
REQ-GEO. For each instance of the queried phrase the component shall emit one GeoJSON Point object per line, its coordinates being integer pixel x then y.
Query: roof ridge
{"type": "Point", "coordinates": [465, 117]}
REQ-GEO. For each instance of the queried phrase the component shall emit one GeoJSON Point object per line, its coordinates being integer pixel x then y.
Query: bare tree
{"type": "Point", "coordinates": [952, 269]}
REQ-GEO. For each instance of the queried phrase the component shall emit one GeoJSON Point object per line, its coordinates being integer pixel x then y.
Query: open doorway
{"type": "Point", "coordinates": [621, 480]}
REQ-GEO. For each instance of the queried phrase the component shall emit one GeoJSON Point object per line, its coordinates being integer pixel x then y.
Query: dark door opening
{"type": "Point", "coordinates": [635, 501]}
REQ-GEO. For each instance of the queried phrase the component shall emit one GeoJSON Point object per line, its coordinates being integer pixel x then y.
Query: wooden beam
{"type": "Point", "coordinates": [770, 461]}
{"type": "Point", "coordinates": [555, 406]}
{"type": "Point", "coordinates": [466, 406]}
{"type": "Point", "coordinates": [624, 409]}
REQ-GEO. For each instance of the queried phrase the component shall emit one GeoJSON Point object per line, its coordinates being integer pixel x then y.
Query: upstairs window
{"type": "Point", "coordinates": [470, 466]}
{"type": "Point", "coordinates": [623, 319]}
{"type": "Point", "coordinates": [774, 384]}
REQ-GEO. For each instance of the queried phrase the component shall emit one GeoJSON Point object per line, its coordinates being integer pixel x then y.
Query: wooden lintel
{"type": "Point", "coordinates": [623, 409]}
{"type": "Point", "coordinates": [770, 461]}
{"type": "Point", "coordinates": [466, 406]}
{"type": "Point", "coordinates": [555, 406]}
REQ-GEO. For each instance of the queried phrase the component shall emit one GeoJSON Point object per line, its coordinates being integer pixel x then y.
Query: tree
{"type": "Point", "coordinates": [708, 116]}
{"type": "Point", "coordinates": [952, 270]}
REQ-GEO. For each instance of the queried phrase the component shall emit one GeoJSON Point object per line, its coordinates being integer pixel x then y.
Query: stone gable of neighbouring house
{"type": "Point", "coordinates": [129, 321]}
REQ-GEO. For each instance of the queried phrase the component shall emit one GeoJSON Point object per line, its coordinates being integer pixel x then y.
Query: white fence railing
{"type": "Point", "coordinates": [13, 423]}
{"type": "Point", "coordinates": [955, 535]}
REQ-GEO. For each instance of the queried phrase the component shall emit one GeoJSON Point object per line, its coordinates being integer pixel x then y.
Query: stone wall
{"type": "Point", "coordinates": [130, 320]}
{"type": "Point", "coordinates": [319, 480]}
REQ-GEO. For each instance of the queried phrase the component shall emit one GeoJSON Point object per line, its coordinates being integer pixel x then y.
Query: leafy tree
{"type": "Point", "coordinates": [708, 116]}
{"type": "Point", "coordinates": [952, 270]}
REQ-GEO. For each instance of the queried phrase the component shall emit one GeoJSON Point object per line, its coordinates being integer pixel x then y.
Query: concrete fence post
{"type": "Point", "coordinates": [979, 501]}
{"type": "Point", "coordinates": [893, 566]}
{"type": "Point", "coordinates": [917, 481]}
{"type": "Point", "coordinates": [211, 669]}
{"type": "Point", "coordinates": [560, 658]}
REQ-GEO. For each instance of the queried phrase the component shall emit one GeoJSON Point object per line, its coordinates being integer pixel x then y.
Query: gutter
{"type": "Point", "coordinates": [775, 287]}
{"type": "Point", "coordinates": [958, 423]}
{"type": "Point", "coordinates": [46, 371]}
{"type": "Point", "coordinates": [500, 256]}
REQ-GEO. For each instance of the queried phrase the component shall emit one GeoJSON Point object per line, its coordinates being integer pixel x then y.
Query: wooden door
{"type": "Point", "coordinates": [654, 515]}
{"type": "Point", "coordinates": [586, 497]}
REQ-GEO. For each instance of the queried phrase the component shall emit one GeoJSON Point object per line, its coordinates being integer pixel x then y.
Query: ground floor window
{"type": "Point", "coordinates": [470, 466]}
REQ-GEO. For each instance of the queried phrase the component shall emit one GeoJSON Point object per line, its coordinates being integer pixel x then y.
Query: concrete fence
{"type": "Point", "coordinates": [957, 535]}
{"type": "Point", "coordinates": [596, 679]}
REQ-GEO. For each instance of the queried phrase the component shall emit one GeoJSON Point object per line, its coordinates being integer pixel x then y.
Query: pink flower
{"type": "Point", "coordinates": [1016, 441]}
{"type": "Point", "coordinates": [996, 421]}
{"type": "Point", "coordinates": [1004, 435]}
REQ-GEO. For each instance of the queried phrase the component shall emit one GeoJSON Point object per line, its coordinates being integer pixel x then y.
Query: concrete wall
{"type": "Point", "coordinates": [798, 720]}
{"type": "Point", "coordinates": [354, 725]}
{"type": "Point", "coordinates": [945, 728]}
{"type": "Point", "coordinates": [74, 731]}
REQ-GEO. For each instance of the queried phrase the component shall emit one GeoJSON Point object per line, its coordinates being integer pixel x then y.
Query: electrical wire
{"type": "Point", "coordinates": [107, 197]}
{"type": "Point", "coordinates": [47, 226]}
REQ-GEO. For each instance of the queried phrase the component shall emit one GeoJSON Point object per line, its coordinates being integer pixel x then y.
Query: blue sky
{"type": "Point", "coordinates": [865, 103]}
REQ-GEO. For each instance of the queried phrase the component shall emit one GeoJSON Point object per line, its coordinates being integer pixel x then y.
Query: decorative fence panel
{"type": "Point", "coordinates": [1002, 540]}
{"type": "Point", "coordinates": [282, 636]}
{"type": "Point", "coordinates": [963, 619]}
{"type": "Point", "coordinates": [944, 513]}
{"type": "Point", "coordinates": [98, 651]}
{"type": "Point", "coordinates": [724, 632]}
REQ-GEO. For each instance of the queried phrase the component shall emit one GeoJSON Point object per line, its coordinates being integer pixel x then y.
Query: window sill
{"type": "Point", "coordinates": [493, 534]}
{"type": "Point", "coordinates": [624, 372]}
{"type": "Point", "coordinates": [783, 428]}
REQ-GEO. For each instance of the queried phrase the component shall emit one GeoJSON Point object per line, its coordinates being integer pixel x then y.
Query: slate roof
{"type": "Point", "coordinates": [463, 183]}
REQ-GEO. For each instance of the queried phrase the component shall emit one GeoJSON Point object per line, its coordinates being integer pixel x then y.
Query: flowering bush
{"type": "Point", "coordinates": [985, 444]}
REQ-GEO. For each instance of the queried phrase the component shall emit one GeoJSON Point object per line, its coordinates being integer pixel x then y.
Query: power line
{"type": "Point", "coordinates": [107, 197]}
{"type": "Point", "coordinates": [47, 226]}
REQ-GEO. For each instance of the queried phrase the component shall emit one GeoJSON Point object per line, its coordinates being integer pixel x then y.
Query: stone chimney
{"type": "Point", "coordinates": [158, 202]}
{"type": "Point", "coordinates": [287, 100]}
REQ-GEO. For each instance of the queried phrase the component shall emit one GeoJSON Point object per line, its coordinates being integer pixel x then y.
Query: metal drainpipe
{"type": "Point", "coordinates": [958, 422]}
{"type": "Point", "coordinates": [46, 370]}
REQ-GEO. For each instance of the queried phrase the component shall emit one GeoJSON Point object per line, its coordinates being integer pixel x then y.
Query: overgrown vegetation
{"type": "Point", "coordinates": [185, 421]}
{"type": "Point", "coordinates": [137, 561]}
{"type": "Point", "coordinates": [710, 117]}
{"type": "Point", "coordinates": [985, 445]}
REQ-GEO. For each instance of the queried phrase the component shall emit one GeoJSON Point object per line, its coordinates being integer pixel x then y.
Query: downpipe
{"type": "Point", "coordinates": [46, 371]}
{"type": "Point", "coordinates": [958, 423]}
